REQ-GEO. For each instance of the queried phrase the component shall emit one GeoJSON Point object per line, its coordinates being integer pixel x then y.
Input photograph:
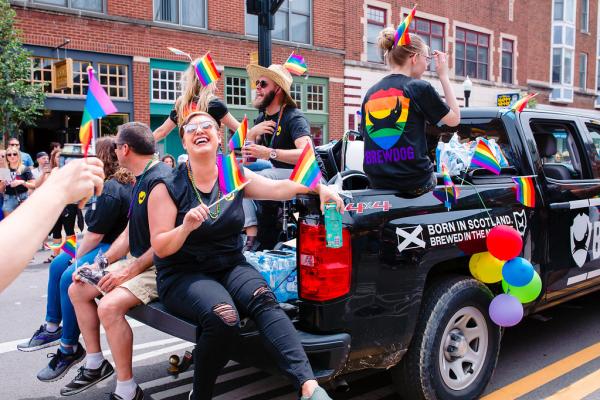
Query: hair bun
{"type": "Point", "coordinates": [386, 39]}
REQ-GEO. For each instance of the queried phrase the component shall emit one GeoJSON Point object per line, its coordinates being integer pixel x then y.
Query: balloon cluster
{"type": "Point", "coordinates": [520, 282]}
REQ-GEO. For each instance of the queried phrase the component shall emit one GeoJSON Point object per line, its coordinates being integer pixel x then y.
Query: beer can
{"type": "Point", "coordinates": [249, 159]}
{"type": "Point", "coordinates": [333, 226]}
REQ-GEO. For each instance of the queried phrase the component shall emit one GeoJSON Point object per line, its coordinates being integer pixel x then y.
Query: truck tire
{"type": "Point", "coordinates": [455, 345]}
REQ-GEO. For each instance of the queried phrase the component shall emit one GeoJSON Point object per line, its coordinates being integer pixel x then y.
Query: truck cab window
{"type": "Point", "coordinates": [594, 130]}
{"type": "Point", "coordinates": [558, 148]}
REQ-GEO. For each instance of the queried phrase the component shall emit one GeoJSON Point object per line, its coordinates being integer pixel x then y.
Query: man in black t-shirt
{"type": "Point", "coordinates": [129, 282]}
{"type": "Point", "coordinates": [280, 132]}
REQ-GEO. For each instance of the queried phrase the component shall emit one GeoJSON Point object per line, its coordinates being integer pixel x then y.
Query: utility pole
{"type": "Point", "coordinates": [265, 10]}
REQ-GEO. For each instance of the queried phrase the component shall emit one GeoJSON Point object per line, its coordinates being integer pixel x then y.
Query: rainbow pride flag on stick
{"type": "Point", "coordinates": [448, 195]}
{"type": "Point", "coordinates": [70, 246]}
{"type": "Point", "coordinates": [525, 190]}
{"type": "Point", "coordinates": [97, 105]}
{"type": "Point", "coordinates": [402, 38]}
{"type": "Point", "coordinates": [207, 70]}
{"type": "Point", "coordinates": [521, 104]}
{"type": "Point", "coordinates": [239, 137]}
{"type": "Point", "coordinates": [484, 158]}
{"type": "Point", "coordinates": [307, 171]}
{"type": "Point", "coordinates": [295, 64]}
{"type": "Point", "coordinates": [231, 178]}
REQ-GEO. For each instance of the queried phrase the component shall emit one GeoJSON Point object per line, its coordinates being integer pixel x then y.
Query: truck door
{"type": "Point", "coordinates": [565, 155]}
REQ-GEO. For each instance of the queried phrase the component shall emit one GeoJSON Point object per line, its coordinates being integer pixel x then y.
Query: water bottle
{"type": "Point", "coordinates": [333, 226]}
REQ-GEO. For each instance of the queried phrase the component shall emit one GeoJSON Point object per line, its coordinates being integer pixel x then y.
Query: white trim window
{"type": "Point", "coordinates": [376, 21]}
{"type": "Point", "coordinates": [583, 58]}
{"type": "Point", "coordinates": [563, 50]}
{"type": "Point", "coordinates": [293, 22]}
{"type": "Point", "coordinates": [585, 16]}
{"type": "Point", "coordinates": [166, 85]}
{"type": "Point", "coordinates": [181, 12]}
{"type": "Point", "coordinates": [85, 5]}
{"type": "Point", "coordinates": [508, 53]}
{"type": "Point", "coordinates": [471, 53]}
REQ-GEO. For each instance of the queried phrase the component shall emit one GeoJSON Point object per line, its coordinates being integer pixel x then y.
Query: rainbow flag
{"type": "Point", "coordinates": [97, 105]}
{"type": "Point", "coordinates": [484, 158]}
{"type": "Point", "coordinates": [521, 104]}
{"type": "Point", "coordinates": [402, 37]}
{"type": "Point", "coordinates": [207, 70]}
{"type": "Point", "coordinates": [231, 177]}
{"type": "Point", "coordinates": [525, 190]}
{"type": "Point", "coordinates": [70, 246]}
{"type": "Point", "coordinates": [295, 64]}
{"type": "Point", "coordinates": [239, 137]}
{"type": "Point", "coordinates": [448, 195]}
{"type": "Point", "coordinates": [307, 171]}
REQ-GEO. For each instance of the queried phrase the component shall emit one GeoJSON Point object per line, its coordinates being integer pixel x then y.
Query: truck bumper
{"type": "Point", "coordinates": [327, 353]}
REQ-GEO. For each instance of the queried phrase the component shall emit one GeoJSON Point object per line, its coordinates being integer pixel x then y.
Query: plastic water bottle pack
{"type": "Point", "coordinates": [278, 268]}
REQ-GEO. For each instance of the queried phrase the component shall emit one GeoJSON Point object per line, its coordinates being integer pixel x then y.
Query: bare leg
{"type": "Point", "coordinates": [112, 310]}
{"type": "Point", "coordinates": [82, 296]}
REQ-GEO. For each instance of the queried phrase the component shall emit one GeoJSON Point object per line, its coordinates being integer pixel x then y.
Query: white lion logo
{"type": "Point", "coordinates": [581, 234]}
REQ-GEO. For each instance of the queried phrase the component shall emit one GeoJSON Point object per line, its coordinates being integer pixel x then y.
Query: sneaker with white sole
{"type": "Point", "coordinates": [86, 378]}
{"type": "Point", "coordinates": [60, 364]}
{"type": "Point", "coordinates": [41, 339]}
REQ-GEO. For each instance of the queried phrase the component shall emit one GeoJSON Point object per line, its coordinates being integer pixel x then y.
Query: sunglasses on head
{"type": "Point", "coordinates": [191, 128]}
{"type": "Point", "coordinates": [261, 83]}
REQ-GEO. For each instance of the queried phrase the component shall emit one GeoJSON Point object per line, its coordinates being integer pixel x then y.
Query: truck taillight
{"type": "Point", "coordinates": [324, 273]}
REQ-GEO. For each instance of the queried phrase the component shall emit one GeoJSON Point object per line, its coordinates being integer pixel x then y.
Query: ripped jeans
{"type": "Point", "coordinates": [213, 300]}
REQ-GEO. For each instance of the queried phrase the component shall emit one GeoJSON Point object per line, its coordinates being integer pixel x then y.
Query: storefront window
{"type": "Point", "coordinates": [110, 124]}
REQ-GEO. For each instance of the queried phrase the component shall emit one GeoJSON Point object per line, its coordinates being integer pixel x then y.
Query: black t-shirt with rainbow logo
{"type": "Point", "coordinates": [394, 113]}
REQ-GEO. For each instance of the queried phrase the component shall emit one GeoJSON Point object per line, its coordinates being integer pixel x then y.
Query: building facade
{"type": "Point", "coordinates": [505, 47]}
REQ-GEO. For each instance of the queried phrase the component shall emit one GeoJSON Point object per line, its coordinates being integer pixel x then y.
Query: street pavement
{"type": "Point", "coordinates": [555, 356]}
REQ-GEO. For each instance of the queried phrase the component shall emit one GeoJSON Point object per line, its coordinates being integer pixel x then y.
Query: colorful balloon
{"type": "Point", "coordinates": [485, 267]}
{"type": "Point", "coordinates": [517, 272]}
{"type": "Point", "coordinates": [506, 310]}
{"type": "Point", "coordinates": [504, 242]}
{"type": "Point", "coordinates": [527, 293]}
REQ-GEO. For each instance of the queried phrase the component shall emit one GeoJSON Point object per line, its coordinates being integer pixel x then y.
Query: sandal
{"type": "Point", "coordinates": [49, 259]}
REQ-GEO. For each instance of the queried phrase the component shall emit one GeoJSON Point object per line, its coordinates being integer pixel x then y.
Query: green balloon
{"type": "Point", "coordinates": [527, 293]}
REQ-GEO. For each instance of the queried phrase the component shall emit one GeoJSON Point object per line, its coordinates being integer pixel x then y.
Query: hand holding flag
{"type": "Point", "coordinates": [239, 137]}
{"type": "Point", "coordinates": [231, 178]}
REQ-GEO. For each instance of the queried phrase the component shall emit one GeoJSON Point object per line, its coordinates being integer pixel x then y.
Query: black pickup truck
{"type": "Point", "coordinates": [398, 295]}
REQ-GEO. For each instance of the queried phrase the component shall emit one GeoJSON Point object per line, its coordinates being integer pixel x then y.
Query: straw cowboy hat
{"type": "Point", "coordinates": [278, 74]}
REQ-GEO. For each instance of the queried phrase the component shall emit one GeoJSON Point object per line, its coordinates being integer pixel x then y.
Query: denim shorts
{"type": "Point", "coordinates": [11, 201]}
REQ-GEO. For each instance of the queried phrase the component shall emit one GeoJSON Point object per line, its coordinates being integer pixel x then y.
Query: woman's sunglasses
{"type": "Point", "coordinates": [261, 84]}
{"type": "Point", "coordinates": [11, 154]}
{"type": "Point", "coordinates": [191, 128]}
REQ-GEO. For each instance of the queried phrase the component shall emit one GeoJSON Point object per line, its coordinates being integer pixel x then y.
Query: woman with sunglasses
{"type": "Point", "coordinates": [105, 224]}
{"type": "Point", "coordinates": [196, 97]}
{"type": "Point", "coordinates": [202, 274]}
{"type": "Point", "coordinates": [20, 182]}
{"type": "Point", "coordinates": [394, 114]}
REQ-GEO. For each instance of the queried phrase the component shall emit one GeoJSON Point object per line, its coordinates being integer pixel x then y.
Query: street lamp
{"type": "Point", "coordinates": [467, 86]}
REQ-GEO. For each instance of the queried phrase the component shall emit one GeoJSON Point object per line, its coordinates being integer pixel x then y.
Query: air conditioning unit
{"type": "Point", "coordinates": [562, 95]}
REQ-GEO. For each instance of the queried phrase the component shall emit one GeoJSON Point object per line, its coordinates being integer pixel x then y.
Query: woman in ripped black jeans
{"type": "Point", "coordinates": [202, 274]}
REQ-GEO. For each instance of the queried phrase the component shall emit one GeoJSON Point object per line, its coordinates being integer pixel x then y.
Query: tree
{"type": "Point", "coordinates": [21, 102]}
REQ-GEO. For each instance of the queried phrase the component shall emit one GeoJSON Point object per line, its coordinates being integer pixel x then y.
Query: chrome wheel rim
{"type": "Point", "coordinates": [463, 348]}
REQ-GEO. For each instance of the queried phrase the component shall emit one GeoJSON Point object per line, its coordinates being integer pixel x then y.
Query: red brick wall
{"type": "Point", "coordinates": [138, 9]}
{"type": "Point", "coordinates": [141, 92]}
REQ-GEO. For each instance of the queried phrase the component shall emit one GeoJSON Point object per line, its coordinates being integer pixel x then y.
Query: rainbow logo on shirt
{"type": "Point", "coordinates": [386, 113]}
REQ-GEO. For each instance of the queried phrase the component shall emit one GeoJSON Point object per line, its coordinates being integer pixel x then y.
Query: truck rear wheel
{"type": "Point", "coordinates": [455, 346]}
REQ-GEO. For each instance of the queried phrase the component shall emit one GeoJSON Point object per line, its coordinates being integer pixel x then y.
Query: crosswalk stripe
{"type": "Point", "coordinates": [148, 345]}
{"type": "Point", "coordinates": [166, 380]}
{"type": "Point", "coordinates": [580, 389]}
{"type": "Point", "coordinates": [546, 374]}
{"type": "Point", "coordinates": [257, 387]}
{"type": "Point", "coordinates": [171, 349]}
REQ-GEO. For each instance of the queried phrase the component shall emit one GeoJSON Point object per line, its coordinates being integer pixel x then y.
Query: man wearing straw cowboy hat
{"type": "Point", "coordinates": [280, 132]}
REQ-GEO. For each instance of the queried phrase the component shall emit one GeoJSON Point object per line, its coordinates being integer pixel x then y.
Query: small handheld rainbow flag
{"type": "Point", "coordinates": [70, 246]}
{"type": "Point", "coordinates": [448, 195]}
{"type": "Point", "coordinates": [97, 105]}
{"type": "Point", "coordinates": [239, 137]}
{"type": "Point", "coordinates": [207, 70]}
{"type": "Point", "coordinates": [484, 158]}
{"type": "Point", "coordinates": [402, 38]}
{"type": "Point", "coordinates": [307, 171]}
{"type": "Point", "coordinates": [525, 190]}
{"type": "Point", "coordinates": [231, 177]}
{"type": "Point", "coordinates": [295, 64]}
{"type": "Point", "coordinates": [521, 104]}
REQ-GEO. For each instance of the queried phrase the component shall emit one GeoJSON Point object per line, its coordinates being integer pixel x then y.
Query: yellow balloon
{"type": "Point", "coordinates": [485, 267]}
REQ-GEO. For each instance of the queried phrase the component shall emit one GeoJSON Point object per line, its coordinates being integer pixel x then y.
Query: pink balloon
{"type": "Point", "coordinates": [506, 310]}
{"type": "Point", "coordinates": [504, 242]}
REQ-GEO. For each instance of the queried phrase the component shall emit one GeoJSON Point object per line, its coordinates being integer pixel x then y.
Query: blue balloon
{"type": "Point", "coordinates": [517, 272]}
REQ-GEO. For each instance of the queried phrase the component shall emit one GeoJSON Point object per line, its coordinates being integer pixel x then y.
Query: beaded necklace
{"type": "Point", "coordinates": [137, 187]}
{"type": "Point", "coordinates": [214, 215]}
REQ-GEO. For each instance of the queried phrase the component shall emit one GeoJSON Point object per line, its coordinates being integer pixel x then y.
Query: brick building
{"type": "Point", "coordinates": [506, 47]}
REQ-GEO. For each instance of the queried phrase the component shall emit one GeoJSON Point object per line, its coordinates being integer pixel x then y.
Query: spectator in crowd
{"type": "Point", "coordinates": [169, 160]}
{"type": "Point", "coordinates": [3, 167]}
{"type": "Point", "coordinates": [28, 226]}
{"type": "Point", "coordinates": [43, 162]}
{"type": "Point", "coordinates": [182, 159]}
{"type": "Point", "coordinates": [19, 183]}
{"type": "Point", "coordinates": [129, 282]}
{"type": "Point", "coordinates": [67, 219]}
{"type": "Point", "coordinates": [196, 97]}
{"type": "Point", "coordinates": [54, 145]}
{"type": "Point", "coordinates": [25, 158]}
{"type": "Point", "coordinates": [105, 224]}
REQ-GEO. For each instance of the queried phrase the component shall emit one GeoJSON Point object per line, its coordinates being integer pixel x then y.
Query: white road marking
{"type": "Point", "coordinates": [148, 345]}
{"type": "Point", "coordinates": [272, 382]}
{"type": "Point", "coordinates": [155, 353]}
